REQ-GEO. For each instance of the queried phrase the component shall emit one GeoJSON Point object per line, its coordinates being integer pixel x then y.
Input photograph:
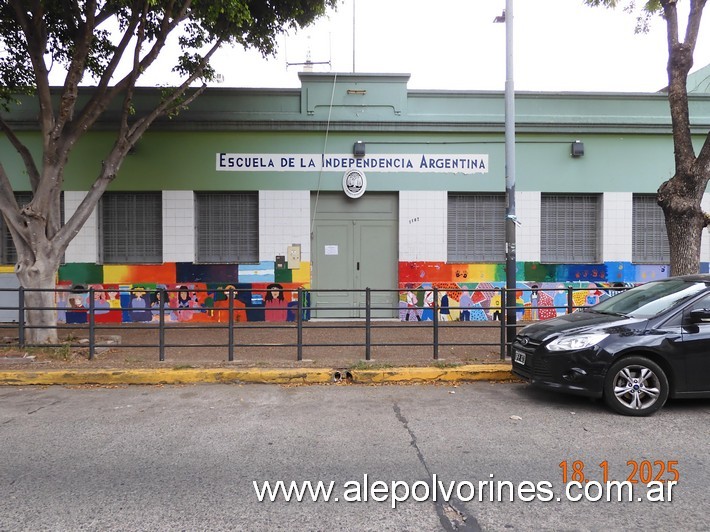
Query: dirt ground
{"type": "Point", "coordinates": [325, 344]}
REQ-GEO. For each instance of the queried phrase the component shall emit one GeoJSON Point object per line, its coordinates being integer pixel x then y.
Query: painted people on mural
{"type": "Point", "coordinates": [139, 305]}
{"type": "Point", "coordinates": [275, 303]}
{"type": "Point", "coordinates": [221, 305]}
{"type": "Point", "coordinates": [155, 303]}
{"type": "Point", "coordinates": [412, 304]}
{"type": "Point", "coordinates": [465, 306]}
{"type": "Point", "coordinates": [76, 313]}
{"type": "Point", "coordinates": [428, 307]}
{"type": "Point", "coordinates": [534, 302]}
{"type": "Point", "coordinates": [292, 307]}
{"type": "Point", "coordinates": [113, 296]}
{"type": "Point", "coordinates": [101, 305]}
{"type": "Point", "coordinates": [546, 309]}
{"type": "Point", "coordinates": [183, 304]}
{"type": "Point", "coordinates": [445, 310]}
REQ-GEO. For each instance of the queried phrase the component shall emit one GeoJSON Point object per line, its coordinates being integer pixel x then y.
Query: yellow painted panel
{"type": "Point", "coordinates": [302, 275]}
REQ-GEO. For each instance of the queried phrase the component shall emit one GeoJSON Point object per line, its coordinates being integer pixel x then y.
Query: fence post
{"type": "Point", "coordinates": [436, 322]}
{"type": "Point", "coordinates": [92, 325]}
{"type": "Point", "coordinates": [230, 327]}
{"type": "Point", "coordinates": [368, 324]}
{"type": "Point", "coordinates": [299, 326]}
{"type": "Point", "coordinates": [570, 300]}
{"type": "Point", "coordinates": [504, 319]}
{"type": "Point", "coordinates": [161, 326]}
{"type": "Point", "coordinates": [501, 317]}
{"type": "Point", "coordinates": [21, 317]}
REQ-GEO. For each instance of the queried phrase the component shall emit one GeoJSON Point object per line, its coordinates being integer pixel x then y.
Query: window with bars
{"type": "Point", "coordinates": [648, 231]}
{"type": "Point", "coordinates": [131, 227]}
{"type": "Point", "coordinates": [476, 228]}
{"type": "Point", "coordinates": [8, 253]}
{"type": "Point", "coordinates": [570, 228]}
{"type": "Point", "coordinates": [227, 226]}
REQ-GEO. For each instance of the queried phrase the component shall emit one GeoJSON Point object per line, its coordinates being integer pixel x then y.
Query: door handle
{"type": "Point", "coordinates": [358, 266]}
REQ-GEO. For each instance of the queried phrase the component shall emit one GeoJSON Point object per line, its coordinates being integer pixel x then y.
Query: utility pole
{"type": "Point", "coordinates": [510, 218]}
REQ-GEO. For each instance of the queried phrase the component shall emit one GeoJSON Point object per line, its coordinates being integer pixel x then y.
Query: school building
{"type": "Point", "coordinates": [355, 181]}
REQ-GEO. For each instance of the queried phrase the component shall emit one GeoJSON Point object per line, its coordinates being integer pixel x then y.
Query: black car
{"type": "Point", "coordinates": [634, 349]}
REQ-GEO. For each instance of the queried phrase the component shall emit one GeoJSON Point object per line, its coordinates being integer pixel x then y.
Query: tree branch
{"type": "Point", "coordinates": [11, 213]}
{"type": "Point", "coordinates": [24, 152]}
{"type": "Point", "coordinates": [76, 69]}
{"type": "Point", "coordinates": [36, 45]}
{"type": "Point", "coordinates": [169, 104]}
{"type": "Point", "coordinates": [680, 60]}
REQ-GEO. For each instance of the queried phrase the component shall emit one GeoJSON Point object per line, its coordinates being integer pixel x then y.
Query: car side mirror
{"type": "Point", "coordinates": [699, 315]}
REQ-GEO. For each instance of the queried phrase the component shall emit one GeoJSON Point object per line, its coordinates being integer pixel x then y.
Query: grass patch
{"type": "Point", "coordinates": [363, 364]}
{"type": "Point", "coordinates": [62, 353]}
{"type": "Point", "coordinates": [183, 366]}
{"type": "Point", "coordinates": [444, 365]}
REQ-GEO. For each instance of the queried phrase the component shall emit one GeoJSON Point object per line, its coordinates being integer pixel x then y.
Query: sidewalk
{"type": "Point", "coordinates": [265, 355]}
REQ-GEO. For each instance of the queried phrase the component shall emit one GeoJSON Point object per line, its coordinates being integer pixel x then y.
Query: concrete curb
{"type": "Point", "coordinates": [488, 372]}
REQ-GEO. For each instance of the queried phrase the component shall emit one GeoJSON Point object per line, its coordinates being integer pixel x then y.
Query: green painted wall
{"type": "Point", "coordinates": [627, 137]}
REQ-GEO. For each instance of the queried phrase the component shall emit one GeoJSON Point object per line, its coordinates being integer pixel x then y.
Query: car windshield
{"type": "Point", "coordinates": [650, 299]}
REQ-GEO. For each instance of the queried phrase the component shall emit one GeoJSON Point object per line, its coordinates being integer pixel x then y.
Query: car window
{"type": "Point", "coordinates": [650, 299]}
{"type": "Point", "coordinates": [703, 302]}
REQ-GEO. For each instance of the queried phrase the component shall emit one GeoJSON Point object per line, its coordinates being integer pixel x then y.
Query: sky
{"type": "Point", "coordinates": [559, 45]}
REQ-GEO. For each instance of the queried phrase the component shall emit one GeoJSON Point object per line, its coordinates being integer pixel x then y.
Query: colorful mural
{"type": "Point", "coordinates": [472, 292]}
{"type": "Point", "coordinates": [465, 292]}
{"type": "Point", "coordinates": [193, 292]}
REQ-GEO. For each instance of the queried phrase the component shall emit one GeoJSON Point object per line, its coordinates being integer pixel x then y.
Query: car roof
{"type": "Point", "coordinates": [692, 278]}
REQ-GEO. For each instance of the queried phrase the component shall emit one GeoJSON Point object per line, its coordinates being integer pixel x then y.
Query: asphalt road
{"type": "Point", "coordinates": [186, 457]}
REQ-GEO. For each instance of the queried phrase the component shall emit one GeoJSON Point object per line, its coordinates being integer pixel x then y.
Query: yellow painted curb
{"type": "Point", "coordinates": [478, 372]}
{"type": "Point", "coordinates": [168, 376]}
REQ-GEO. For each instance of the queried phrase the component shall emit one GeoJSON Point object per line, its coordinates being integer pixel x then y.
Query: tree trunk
{"type": "Point", "coordinates": [685, 221]}
{"type": "Point", "coordinates": [38, 280]}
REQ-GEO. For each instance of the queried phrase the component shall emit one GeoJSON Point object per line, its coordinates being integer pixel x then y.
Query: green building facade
{"type": "Point", "coordinates": [354, 181]}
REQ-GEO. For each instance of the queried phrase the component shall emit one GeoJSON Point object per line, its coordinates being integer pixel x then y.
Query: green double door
{"type": "Point", "coordinates": [354, 247]}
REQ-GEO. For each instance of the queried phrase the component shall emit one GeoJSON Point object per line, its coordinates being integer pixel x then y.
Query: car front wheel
{"type": "Point", "coordinates": [635, 386]}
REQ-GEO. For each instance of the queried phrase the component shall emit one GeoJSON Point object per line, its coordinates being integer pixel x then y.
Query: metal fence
{"type": "Point", "coordinates": [84, 327]}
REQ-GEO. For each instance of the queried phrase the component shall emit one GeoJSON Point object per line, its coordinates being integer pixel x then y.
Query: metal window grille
{"type": "Point", "coordinates": [476, 227]}
{"type": "Point", "coordinates": [648, 229]}
{"type": "Point", "coordinates": [131, 227]}
{"type": "Point", "coordinates": [227, 226]}
{"type": "Point", "coordinates": [570, 228]}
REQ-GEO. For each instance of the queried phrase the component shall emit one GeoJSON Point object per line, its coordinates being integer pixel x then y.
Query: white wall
{"type": "Point", "coordinates": [85, 245]}
{"type": "Point", "coordinates": [284, 219]}
{"type": "Point", "coordinates": [422, 225]}
{"type": "Point", "coordinates": [178, 226]}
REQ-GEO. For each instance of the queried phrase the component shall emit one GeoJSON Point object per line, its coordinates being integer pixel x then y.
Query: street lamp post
{"type": "Point", "coordinates": [510, 218]}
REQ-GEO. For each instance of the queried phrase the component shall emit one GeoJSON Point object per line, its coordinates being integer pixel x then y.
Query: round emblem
{"type": "Point", "coordinates": [354, 183]}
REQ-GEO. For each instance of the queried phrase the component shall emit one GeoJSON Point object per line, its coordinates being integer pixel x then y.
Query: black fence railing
{"type": "Point", "coordinates": [231, 320]}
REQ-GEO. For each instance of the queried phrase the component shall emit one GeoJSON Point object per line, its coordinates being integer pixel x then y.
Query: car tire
{"type": "Point", "coordinates": [635, 386]}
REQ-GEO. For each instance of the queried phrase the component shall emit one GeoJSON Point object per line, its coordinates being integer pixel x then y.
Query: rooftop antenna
{"type": "Point", "coordinates": [308, 63]}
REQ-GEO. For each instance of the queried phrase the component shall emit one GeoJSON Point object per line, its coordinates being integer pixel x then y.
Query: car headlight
{"type": "Point", "coordinates": [573, 343]}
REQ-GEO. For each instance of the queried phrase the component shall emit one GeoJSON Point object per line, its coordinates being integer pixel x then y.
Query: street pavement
{"type": "Point", "coordinates": [186, 457]}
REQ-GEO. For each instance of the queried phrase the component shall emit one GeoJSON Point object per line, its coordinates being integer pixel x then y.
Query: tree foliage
{"type": "Point", "coordinates": [680, 196]}
{"type": "Point", "coordinates": [108, 44]}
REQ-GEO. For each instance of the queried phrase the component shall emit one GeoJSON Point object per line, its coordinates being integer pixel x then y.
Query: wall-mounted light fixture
{"type": "Point", "coordinates": [577, 149]}
{"type": "Point", "coordinates": [359, 149]}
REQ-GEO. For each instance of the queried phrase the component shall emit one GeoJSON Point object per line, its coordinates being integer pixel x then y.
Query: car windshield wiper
{"type": "Point", "coordinates": [608, 313]}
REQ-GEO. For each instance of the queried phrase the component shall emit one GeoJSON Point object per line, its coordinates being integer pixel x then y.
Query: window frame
{"type": "Point", "coordinates": [646, 213]}
{"type": "Point", "coordinates": [217, 244]}
{"type": "Point", "coordinates": [129, 225]}
{"type": "Point", "coordinates": [488, 210]}
{"type": "Point", "coordinates": [564, 235]}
